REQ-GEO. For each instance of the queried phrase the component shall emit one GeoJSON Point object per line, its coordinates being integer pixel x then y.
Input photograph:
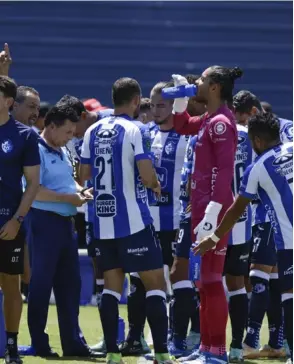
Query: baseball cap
{"type": "Point", "coordinates": [93, 105]}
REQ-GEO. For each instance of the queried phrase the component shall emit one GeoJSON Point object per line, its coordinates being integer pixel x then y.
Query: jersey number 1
{"type": "Point", "coordinates": [101, 164]}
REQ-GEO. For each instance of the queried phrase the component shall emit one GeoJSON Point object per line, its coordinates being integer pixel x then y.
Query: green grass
{"type": "Point", "coordinates": [90, 324]}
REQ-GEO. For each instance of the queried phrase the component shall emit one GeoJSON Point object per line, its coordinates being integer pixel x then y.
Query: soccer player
{"type": "Point", "coordinates": [186, 299]}
{"type": "Point", "coordinates": [211, 193]}
{"type": "Point", "coordinates": [271, 178]}
{"type": "Point", "coordinates": [19, 156]}
{"type": "Point", "coordinates": [237, 258]}
{"type": "Point", "coordinates": [263, 257]}
{"type": "Point", "coordinates": [145, 114]}
{"type": "Point", "coordinates": [116, 154]}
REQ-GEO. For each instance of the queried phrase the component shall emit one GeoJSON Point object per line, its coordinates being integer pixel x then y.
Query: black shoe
{"type": "Point", "coordinates": [87, 353]}
{"type": "Point", "coordinates": [47, 354]}
{"type": "Point", "coordinates": [132, 348]}
{"type": "Point", "coordinates": [12, 358]}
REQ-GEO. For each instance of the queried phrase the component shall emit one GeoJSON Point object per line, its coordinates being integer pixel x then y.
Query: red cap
{"type": "Point", "coordinates": [93, 105]}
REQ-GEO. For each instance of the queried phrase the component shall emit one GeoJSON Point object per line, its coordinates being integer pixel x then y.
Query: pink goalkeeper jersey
{"type": "Point", "coordinates": [215, 154]}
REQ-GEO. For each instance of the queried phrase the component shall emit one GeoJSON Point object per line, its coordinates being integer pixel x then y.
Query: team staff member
{"type": "Point", "coordinates": [18, 156]}
{"type": "Point", "coordinates": [55, 262]}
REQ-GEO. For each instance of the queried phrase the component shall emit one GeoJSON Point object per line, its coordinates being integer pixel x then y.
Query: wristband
{"type": "Point", "coordinates": [214, 238]}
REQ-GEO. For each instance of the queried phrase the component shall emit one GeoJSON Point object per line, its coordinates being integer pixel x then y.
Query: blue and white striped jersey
{"type": "Point", "coordinates": [185, 174]}
{"type": "Point", "coordinates": [112, 146]}
{"type": "Point", "coordinates": [168, 149]}
{"type": "Point", "coordinates": [271, 178]}
{"type": "Point", "coordinates": [259, 214]}
{"type": "Point", "coordinates": [241, 233]}
{"type": "Point", "coordinates": [75, 148]}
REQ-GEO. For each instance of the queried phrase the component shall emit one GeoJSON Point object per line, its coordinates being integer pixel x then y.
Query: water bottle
{"type": "Point", "coordinates": [179, 91]}
{"type": "Point", "coordinates": [121, 331]}
{"type": "Point", "coordinates": [194, 265]}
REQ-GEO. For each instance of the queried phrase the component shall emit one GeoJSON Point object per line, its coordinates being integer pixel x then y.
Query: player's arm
{"type": "Point", "coordinates": [85, 173]}
{"type": "Point", "coordinates": [5, 61]}
{"type": "Point", "coordinates": [31, 171]}
{"type": "Point", "coordinates": [247, 193]}
{"type": "Point", "coordinates": [142, 148]}
{"type": "Point", "coordinates": [185, 124]}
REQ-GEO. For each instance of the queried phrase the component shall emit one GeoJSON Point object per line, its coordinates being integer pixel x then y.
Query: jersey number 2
{"type": "Point", "coordinates": [101, 164]}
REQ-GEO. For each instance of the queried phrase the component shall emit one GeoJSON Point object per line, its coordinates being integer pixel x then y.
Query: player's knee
{"type": "Point", "coordinates": [10, 285]}
{"type": "Point", "coordinates": [114, 280]}
{"type": "Point", "coordinates": [180, 270]}
{"type": "Point", "coordinates": [234, 283]}
{"type": "Point", "coordinates": [259, 281]}
{"type": "Point", "coordinates": [260, 267]}
{"type": "Point", "coordinates": [153, 280]}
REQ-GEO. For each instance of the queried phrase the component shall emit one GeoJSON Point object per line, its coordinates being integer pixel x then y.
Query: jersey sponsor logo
{"type": "Point", "coordinates": [223, 251]}
{"type": "Point", "coordinates": [241, 139]}
{"type": "Point", "coordinates": [138, 251]}
{"type": "Point", "coordinates": [162, 175]}
{"type": "Point", "coordinates": [164, 199]}
{"type": "Point", "coordinates": [283, 159]}
{"type": "Point", "coordinates": [289, 271]}
{"type": "Point", "coordinates": [106, 133]}
{"type": "Point", "coordinates": [106, 205]}
{"type": "Point", "coordinates": [7, 146]}
{"type": "Point", "coordinates": [220, 127]}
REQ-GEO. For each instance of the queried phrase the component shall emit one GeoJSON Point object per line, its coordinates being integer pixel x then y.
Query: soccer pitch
{"type": "Point", "coordinates": [90, 324]}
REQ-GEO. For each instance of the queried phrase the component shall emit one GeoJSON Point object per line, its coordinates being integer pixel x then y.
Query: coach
{"type": "Point", "coordinates": [55, 262]}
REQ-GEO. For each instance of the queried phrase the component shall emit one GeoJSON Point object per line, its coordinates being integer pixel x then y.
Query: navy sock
{"type": "Point", "coordinates": [288, 318]}
{"type": "Point", "coordinates": [194, 315]}
{"type": "Point", "coordinates": [11, 343]}
{"type": "Point", "coordinates": [274, 315]}
{"type": "Point", "coordinates": [238, 310]}
{"type": "Point", "coordinates": [157, 319]}
{"type": "Point", "coordinates": [257, 308]}
{"type": "Point", "coordinates": [183, 298]}
{"type": "Point", "coordinates": [109, 319]}
{"type": "Point", "coordinates": [136, 309]}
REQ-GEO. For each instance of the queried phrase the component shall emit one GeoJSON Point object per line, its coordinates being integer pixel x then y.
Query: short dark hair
{"type": "Point", "coordinates": [266, 106]}
{"type": "Point", "coordinates": [157, 89]}
{"type": "Point", "coordinates": [8, 87]}
{"type": "Point", "coordinates": [73, 102]}
{"type": "Point", "coordinates": [145, 104]}
{"type": "Point", "coordinates": [22, 92]}
{"type": "Point", "coordinates": [265, 126]}
{"type": "Point", "coordinates": [191, 78]}
{"type": "Point", "coordinates": [124, 90]}
{"type": "Point", "coordinates": [44, 108]}
{"type": "Point", "coordinates": [225, 77]}
{"type": "Point", "coordinates": [244, 101]}
{"type": "Point", "coordinates": [59, 114]}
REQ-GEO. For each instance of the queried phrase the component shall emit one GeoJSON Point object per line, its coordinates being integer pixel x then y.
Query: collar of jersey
{"type": "Point", "coordinates": [125, 116]}
{"type": "Point", "coordinates": [267, 150]}
{"type": "Point", "coordinates": [166, 131]}
{"type": "Point", "coordinates": [49, 149]}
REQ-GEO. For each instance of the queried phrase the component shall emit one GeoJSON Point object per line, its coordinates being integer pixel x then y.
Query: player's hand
{"type": "Point", "coordinates": [204, 246]}
{"type": "Point", "coordinates": [88, 194]}
{"type": "Point", "coordinates": [157, 189]}
{"type": "Point", "coordinates": [10, 230]}
{"type": "Point", "coordinates": [180, 105]}
{"type": "Point", "coordinates": [5, 61]}
{"type": "Point", "coordinates": [208, 224]}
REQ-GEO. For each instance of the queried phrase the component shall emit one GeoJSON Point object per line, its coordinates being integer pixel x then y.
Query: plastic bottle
{"type": "Point", "coordinates": [179, 91]}
{"type": "Point", "coordinates": [194, 265]}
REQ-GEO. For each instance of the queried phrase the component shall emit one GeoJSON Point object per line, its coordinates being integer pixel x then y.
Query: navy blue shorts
{"type": "Point", "coordinates": [285, 268]}
{"type": "Point", "coordinates": [139, 252]}
{"type": "Point", "coordinates": [237, 259]}
{"type": "Point", "coordinates": [184, 239]}
{"type": "Point", "coordinates": [263, 245]}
